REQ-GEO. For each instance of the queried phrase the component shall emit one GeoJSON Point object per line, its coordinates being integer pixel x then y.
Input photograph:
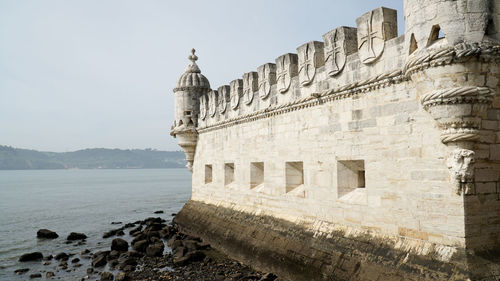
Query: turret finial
{"type": "Point", "coordinates": [192, 67]}
{"type": "Point", "coordinates": [193, 57]}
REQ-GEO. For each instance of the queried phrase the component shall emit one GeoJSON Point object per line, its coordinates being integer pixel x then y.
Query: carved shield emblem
{"type": "Point", "coordinates": [236, 88]}
{"type": "Point", "coordinates": [212, 102]}
{"type": "Point", "coordinates": [223, 97]}
{"type": "Point", "coordinates": [267, 78]}
{"type": "Point", "coordinates": [335, 51]}
{"type": "Point", "coordinates": [203, 107]}
{"type": "Point", "coordinates": [286, 68]}
{"type": "Point", "coordinates": [310, 58]}
{"type": "Point", "coordinates": [250, 84]}
{"type": "Point", "coordinates": [374, 28]}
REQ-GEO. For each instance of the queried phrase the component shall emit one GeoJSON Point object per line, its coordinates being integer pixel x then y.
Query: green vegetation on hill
{"type": "Point", "coordinates": [95, 158]}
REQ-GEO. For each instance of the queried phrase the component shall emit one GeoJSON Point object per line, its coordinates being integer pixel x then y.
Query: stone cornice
{"type": "Point", "coordinates": [315, 99]}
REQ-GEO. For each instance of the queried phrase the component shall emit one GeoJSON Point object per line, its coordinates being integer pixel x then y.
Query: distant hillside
{"type": "Point", "coordinates": [95, 158]}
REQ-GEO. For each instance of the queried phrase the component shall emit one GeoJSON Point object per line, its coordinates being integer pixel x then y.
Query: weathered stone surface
{"type": "Point", "coordinates": [292, 251]}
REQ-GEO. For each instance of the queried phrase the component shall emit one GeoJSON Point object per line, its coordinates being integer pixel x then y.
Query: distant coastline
{"type": "Point", "coordinates": [94, 158]}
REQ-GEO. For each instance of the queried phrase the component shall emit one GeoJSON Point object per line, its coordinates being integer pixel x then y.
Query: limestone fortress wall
{"type": "Point", "coordinates": [364, 157]}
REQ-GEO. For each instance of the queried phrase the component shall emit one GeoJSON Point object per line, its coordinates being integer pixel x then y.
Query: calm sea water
{"type": "Point", "coordinates": [85, 201]}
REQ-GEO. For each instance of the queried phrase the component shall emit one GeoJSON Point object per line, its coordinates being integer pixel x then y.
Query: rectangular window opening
{"type": "Point", "coordinates": [187, 113]}
{"type": "Point", "coordinates": [294, 174]}
{"type": "Point", "coordinates": [350, 176]}
{"type": "Point", "coordinates": [228, 173]}
{"type": "Point", "coordinates": [256, 174]}
{"type": "Point", "coordinates": [208, 173]}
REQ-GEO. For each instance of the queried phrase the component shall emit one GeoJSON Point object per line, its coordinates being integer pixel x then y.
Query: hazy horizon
{"type": "Point", "coordinates": [100, 74]}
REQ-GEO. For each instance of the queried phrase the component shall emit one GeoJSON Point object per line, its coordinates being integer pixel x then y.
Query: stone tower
{"type": "Point", "coordinates": [191, 87]}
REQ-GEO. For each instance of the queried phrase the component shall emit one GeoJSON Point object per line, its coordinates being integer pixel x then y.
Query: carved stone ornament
{"type": "Point", "coordinates": [457, 111]}
{"type": "Point", "coordinates": [212, 102]}
{"type": "Point", "coordinates": [223, 98]}
{"type": "Point", "coordinates": [461, 166]}
{"type": "Point", "coordinates": [339, 43]}
{"type": "Point", "coordinates": [374, 28]}
{"type": "Point", "coordinates": [267, 78]}
{"type": "Point", "coordinates": [203, 107]}
{"type": "Point", "coordinates": [250, 85]}
{"type": "Point", "coordinates": [286, 69]}
{"type": "Point", "coordinates": [311, 56]}
{"type": "Point", "coordinates": [236, 89]}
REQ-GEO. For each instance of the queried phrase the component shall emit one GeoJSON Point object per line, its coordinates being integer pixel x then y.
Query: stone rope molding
{"type": "Point", "coordinates": [443, 56]}
{"type": "Point", "coordinates": [459, 94]}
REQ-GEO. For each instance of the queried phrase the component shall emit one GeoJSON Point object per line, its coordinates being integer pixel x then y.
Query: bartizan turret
{"type": "Point", "coordinates": [190, 87]}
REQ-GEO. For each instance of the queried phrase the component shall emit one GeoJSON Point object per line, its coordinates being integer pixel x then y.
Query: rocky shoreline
{"type": "Point", "coordinates": [149, 249]}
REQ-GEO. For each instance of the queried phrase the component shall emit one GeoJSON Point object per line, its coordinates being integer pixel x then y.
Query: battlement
{"type": "Point", "coordinates": [350, 59]}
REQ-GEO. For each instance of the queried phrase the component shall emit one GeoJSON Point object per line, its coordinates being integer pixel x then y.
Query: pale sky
{"type": "Point", "coordinates": [100, 73]}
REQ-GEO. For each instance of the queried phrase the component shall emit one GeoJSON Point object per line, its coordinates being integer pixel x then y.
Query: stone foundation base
{"type": "Point", "coordinates": [293, 252]}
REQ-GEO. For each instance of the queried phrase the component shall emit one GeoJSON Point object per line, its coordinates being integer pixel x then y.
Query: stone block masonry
{"type": "Point", "coordinates": [364, 157]}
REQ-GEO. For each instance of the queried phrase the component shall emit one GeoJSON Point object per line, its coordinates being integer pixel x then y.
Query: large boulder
{"type": "Point", "coordinates": [76, 236]}
{"type": "Point", "coordinates": [140, 246]}
{"type": "Point", "coordinates": [47, 234]}
{"type": "Point", "coordinates": [119, 245]}
{"type": "Point", "coordinates": [155, 249]}
{"type": "Point", "coordinates": [31, 257]}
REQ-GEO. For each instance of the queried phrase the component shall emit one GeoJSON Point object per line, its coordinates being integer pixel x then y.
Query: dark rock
{"type": "Point", "coordinates": [49, 274]}
{"type": "Point", "coordinates": [107, 276]}
{"type": "Point", "coordinates": [140, 246]}
{"type": "Point", "coordinates": [47, 234]}
{"type": "Point", "coordinates": [76, 236]}
{"type": "Point", "coordinates": [119, 244]}
{"type": "Point", "coordinates": [48, 258]}
{"type": "Point", "coordinates": [75, 260]}
{"type": "Point", "coordinates": [120, 233]}
{"type": "Point", "coordinates": [84, 252]}
{"type": "Point", "coordinates": [131, 224]}
{"type": "Point", "coordinates": [136, 230]}
{"type": "Point", "coordinates": [128, 268]}
{"type": "Point", "coordinates": [189, 258]}
{"type": "Point", "coordinates": [77, 265]}
{"type": "Point", "coordinates": [116, 222]}
{"type": "Point", "coordinates": [191, 245]}
{"type": "Point", "coordinates": [21, 271]}
{"type": "Point", "coordinates": [135, 254]}
{"type": "Point", "coordinates": [122, 276]}
{"type": "Point", "coordinates": [173, 214]}
{"type": "Point", "coordinates": [110, 233]}
{"type": "Point", "coordinates": [100, 258]}
{"type": "Point", "coordinates": [31, 257]}
{"type": "Point", "coordinates": [155, 249]}
{"type": "Point", "coordinates": [268, 277]}
{"type": "Point", "coordinates": [158, 212]}
{"type": "Point", "coordinates": [90, 270]}
{"type": "Point", "coordinates": [113, 255]}
{"type": "Point", "coordinates": [63, 264]}
{"type": "Point", "coordinates": [113, 263]}
{"type": "Point", "coordinates": [62, 256]}
{"type": "Point", "coordinates": [35, 275]}
{"type": "Point", "coordinates": [47, 263]}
